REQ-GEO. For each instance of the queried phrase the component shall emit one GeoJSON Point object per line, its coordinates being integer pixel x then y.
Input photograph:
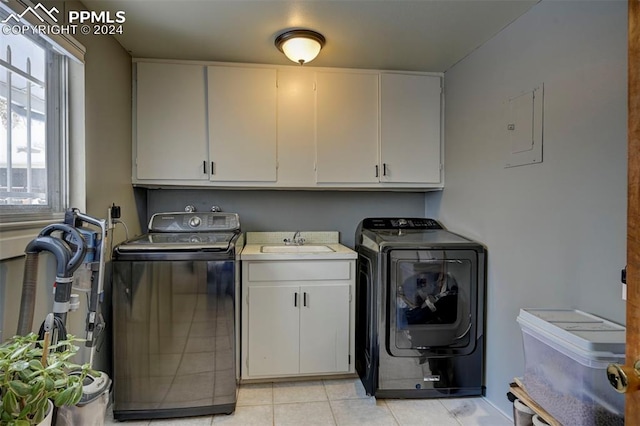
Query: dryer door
{"type": "Point", "coordinates": [432, 302]}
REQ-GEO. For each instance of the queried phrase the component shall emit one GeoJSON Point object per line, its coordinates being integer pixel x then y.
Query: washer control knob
{"type": "Point", "coordinates": [402, 222]}
{"type": "Point", "coordinates": [194, 222]}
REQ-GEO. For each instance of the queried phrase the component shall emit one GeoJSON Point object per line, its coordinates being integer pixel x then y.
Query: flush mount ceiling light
{"type": "Point", "coordinates": [300, 46]}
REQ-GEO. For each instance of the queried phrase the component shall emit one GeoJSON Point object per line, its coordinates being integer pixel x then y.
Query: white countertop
{"type": "Point", "coordinates": [255, 241]}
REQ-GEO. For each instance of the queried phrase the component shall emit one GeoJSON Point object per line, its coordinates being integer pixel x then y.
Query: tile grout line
{"type": "Point", "coordinates": [333, 415]}
{"type": "Point", "coordinates": [273, 405]}
{"type": "Point", "coordinates": [395, 419]}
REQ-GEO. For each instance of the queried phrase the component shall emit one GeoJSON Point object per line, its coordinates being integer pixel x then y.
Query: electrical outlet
{"type": "Point", "coordinates": [112, 214]}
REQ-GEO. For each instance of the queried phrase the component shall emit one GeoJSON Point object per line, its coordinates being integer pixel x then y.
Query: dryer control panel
{"type": "Point", "coordinates": [400, 223]}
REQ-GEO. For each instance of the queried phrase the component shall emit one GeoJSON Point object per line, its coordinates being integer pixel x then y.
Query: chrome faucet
{"type": "Point", "coordinates": [297, 240]}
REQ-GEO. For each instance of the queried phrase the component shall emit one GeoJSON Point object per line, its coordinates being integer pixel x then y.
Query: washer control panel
{"type": "Point", "coordinates": [400, 223]}
{"type": "Point", "coordinates": [194, 222]}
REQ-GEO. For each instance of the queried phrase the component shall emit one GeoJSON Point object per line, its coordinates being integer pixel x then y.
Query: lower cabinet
{"type": "Point", "coordinates": [293, 326]}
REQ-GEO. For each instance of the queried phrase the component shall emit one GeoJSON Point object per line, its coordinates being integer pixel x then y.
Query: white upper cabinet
{"type": "Point", "coordinates": [171, 129]}
{"type": "Point", "coordinates": [296, 127]}
{"type": "Point", "coordinates": [410, 128]}
{"type": "Point", "coordinates": [346, 127]}
{"type": "Point", "coordinates": [242, 123]}
{"type": "Point", "coordinates": [264, 126]}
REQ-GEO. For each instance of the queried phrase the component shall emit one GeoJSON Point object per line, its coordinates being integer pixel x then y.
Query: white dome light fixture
{"type": "Point", "coordinates": [301, 46]}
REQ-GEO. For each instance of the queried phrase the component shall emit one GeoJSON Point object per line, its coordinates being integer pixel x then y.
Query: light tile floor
{"type": "Point", "coordinates": [338, 402]}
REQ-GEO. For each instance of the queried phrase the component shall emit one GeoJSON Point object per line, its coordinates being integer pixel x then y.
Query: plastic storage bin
{"type": "Point", "coordinates": [566, 357]}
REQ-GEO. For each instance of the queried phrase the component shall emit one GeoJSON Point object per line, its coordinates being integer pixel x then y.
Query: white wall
{"type": "Point", "coordinates": [555, 231]}
{"type": "Point", "coordinates": [262, 210]}
{"type": "Point", "coordinates": [108, 124]}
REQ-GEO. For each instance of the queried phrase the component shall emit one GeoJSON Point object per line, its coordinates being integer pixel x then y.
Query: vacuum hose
{"type": "Point", "coordinates": [72, 235]}
{"type": "Point", "coordinates": [28, 300]}
{"type": "Point", "coordinates": [68, 259]}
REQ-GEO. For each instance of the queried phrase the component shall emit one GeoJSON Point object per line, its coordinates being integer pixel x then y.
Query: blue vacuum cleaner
{"type": "Point", "coordinates": [78, 245]}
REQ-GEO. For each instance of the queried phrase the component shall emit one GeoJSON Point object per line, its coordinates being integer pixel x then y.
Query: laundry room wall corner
{"type": "Point", "coordinates": [555, 231]}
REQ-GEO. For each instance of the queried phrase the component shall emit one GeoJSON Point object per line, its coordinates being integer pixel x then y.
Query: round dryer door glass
{"type": "Point", "coordinates": [432, 301]}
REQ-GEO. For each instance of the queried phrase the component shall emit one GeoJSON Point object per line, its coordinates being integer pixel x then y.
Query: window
{"type": "Point", "coordinates": [33, 145]}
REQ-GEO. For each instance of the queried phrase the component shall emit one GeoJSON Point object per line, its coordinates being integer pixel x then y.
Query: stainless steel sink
{"type": "Point", "coordinates": [296, 249]}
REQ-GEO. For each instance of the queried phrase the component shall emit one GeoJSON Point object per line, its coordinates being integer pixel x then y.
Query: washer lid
{"type": "Point", "coordinates": [409, 233]}
{"type": "Point", "coordinates": [414, 237]}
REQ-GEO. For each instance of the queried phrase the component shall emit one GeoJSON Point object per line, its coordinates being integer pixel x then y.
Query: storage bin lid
{"type": "Point", "coordinates": [587, 332]}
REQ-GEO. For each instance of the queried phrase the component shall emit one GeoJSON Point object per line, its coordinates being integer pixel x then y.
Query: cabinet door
{"type": "Point", "coordinates": [273, 341]}
{"type": "Point", "coordinates": [410, 128]}
{"type": "Point", "coordinates": [171, 122]}
{"type": "Point", "coordinates": [346, 127]}
{"type": "Point", "coordinates": [296, 127]}
{"type": "Point", "coordinates": [324, 329]}
{"type": "Point", "coordinates": [242, 124]}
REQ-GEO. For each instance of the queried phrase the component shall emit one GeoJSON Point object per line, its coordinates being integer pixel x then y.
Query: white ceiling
{"type": "Point", "coordinates": [416, 35]}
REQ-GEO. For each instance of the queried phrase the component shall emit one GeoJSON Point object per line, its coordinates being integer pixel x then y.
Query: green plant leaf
{"type": "Point", "coordinates": [37, 391]}
{"type": "Point", "coordinates": [26, 410]}
{"type": "Point", "coordinates": [35, 365]}
{"type": "Point", "coordinates": [10, 403]}
{"type": "Point", "coordinates": [40, 412]}
{"type": "Point", "coordinates": [42, 404]}
{"type": "Point", "coordinates": [55, 372]}
{"type": "Point", "coordinates": [53, 366]}
{"type": "Point", "coordinates": [19, 365]}
{"type": "Point", "coordinates": [77, 394]}
{"type": "Point", "coordinates": [26, 375]}
{"type": "Point", "coordinates": [21, 389]}
{"type": "Point", "coordinates": [63, 398]}
{"type": "Point", "coordinates": [48, 384]}
{"type": "Point", "coordinates": [18, 352]}
{"type": "Point", "coordinates": [4, 416]}
{"type": "Point", "coordinates": [34, 397]}
{"type": "Point", "coordinates": [35, 353]}
{"type": "Point", "coordinates": [37, 385]}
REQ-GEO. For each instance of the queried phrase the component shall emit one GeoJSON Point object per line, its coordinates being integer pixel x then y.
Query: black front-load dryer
{"type": "Point", "coordinates": [420, 297]}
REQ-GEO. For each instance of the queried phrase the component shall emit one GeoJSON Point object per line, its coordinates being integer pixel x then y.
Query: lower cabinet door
{"type": "Point", "coordinates": [273, 340]}
{"type": "Point", "coordinates": [324, 328]}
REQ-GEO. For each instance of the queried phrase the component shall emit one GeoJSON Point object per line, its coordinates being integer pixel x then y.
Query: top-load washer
{"type": "Point", "coordinates": [176, 317]}
{"type": "Point", "coordinates": [420, 297]}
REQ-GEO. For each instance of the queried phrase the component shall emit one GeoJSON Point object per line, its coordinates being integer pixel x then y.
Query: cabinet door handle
{"type": "Point", "coordinates": [204, 166]}
{"type": "Point", "coordinates": [295, 299]}
{"type": "Point", "coordinates": [384, 169]}
{"type": "Point", "coordinates": [304, 299]}
{"type": "Point", "coordinates": [213, 170]}
{"type": "Point", "coordinates": [377, 171]}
